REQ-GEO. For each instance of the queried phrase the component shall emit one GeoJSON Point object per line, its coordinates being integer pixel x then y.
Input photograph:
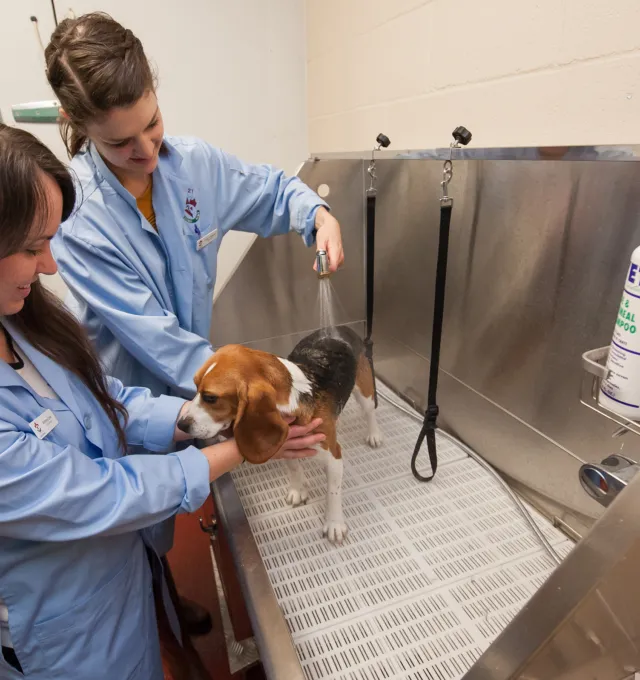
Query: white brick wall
{"type": "Point", "coordinates": [515, 72]}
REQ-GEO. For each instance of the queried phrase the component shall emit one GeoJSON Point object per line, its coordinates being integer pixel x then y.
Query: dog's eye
{"type": "Point", "coordinates": [209, 398]}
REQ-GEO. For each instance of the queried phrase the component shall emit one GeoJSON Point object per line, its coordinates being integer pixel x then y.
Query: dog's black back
{"type": "Point", "coordinates": [330, 361]}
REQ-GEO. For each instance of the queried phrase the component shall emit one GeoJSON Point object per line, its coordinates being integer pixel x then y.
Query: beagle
{"type": "Point", "coordinates": [252, 391]}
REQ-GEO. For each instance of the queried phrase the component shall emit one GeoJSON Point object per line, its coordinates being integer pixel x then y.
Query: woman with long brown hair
{"type": "Point", "coordinates": [76, 596]}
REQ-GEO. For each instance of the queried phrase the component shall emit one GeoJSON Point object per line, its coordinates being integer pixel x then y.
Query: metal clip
{"type": "Point", "coordinates": [371, 191]}
{"type": "Point", "coordinates": [383, 141]}
{"type": "Point", "coordinates": [447, 174]}
{"type": "Point", "coordinates": [460, 136]}
{"type": "Point", "coordinates": [211, 529]}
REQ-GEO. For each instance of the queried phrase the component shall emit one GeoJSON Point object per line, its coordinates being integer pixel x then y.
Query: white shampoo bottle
{"type": "Point", "coordinates": [620, 391]}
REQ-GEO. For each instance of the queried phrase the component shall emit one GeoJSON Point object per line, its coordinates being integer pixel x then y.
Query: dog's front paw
{"type": "Point", "coordinates": [375, 438]}
{"type": "Point", "coordinates": [297, 497]}
{"type": "Point", "coordinates": [335, 530]}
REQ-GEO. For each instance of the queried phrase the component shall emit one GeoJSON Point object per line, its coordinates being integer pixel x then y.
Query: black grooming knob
{"type": "Point", "coordinates": [383, 140]}
{"type": "Point", "coordinates": [462, 135]}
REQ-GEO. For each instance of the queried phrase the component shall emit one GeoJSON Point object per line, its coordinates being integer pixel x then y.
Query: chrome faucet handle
{"type": "Point", "coordinates": [605, 481]}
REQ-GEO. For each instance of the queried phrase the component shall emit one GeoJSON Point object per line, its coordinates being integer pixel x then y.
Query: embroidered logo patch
{"type": "Point", "coordinates": [191, 212]}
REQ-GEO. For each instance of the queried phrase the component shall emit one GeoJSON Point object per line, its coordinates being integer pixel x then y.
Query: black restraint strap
{"type": "Point", "coordinates": [431, 414]}
{"type": "Point", "coordinates": [371, 235]}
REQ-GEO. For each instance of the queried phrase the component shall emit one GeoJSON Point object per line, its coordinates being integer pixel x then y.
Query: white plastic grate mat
{"type": "Point", "coordinates": [429, 574]}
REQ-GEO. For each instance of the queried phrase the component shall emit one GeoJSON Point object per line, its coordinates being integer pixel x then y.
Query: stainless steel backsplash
{"type": "Point", "coordinates": [538, 255]}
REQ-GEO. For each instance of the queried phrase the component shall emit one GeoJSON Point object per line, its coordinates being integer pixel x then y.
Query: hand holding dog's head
{"type": "Point", "coordinates": [238, 387]}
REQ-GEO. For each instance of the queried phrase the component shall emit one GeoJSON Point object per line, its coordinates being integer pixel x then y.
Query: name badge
{"type": "Point", "coordinates": [206, 239]}
{"type": "Point", "coordinates": [43, 424]}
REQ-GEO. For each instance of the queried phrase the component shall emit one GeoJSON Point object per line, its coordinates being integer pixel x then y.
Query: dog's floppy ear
{"type": "Point", "coordinates": [259, 429]}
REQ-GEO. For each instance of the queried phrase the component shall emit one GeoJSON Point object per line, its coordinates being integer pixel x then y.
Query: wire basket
{"type": "Point", "coordinates": [594, 371]}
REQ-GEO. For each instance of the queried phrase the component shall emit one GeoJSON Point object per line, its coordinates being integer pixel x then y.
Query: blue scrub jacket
{"type": "Point", "coordinates": [75, 515]}
{"type": "Point", "coordinates": [146, 297]}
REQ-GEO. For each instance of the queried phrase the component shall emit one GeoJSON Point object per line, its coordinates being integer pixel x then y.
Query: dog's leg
{"type": "Point", "coordinates": [363, 392]}
{"type": "Point", "coordinates": [298, 493]}
{"type": "Point", "coordinates": [375, 437]}
{"type": "Point", "coordinates": [334, 528]}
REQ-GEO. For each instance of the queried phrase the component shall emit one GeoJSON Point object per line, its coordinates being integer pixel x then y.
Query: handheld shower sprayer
{"type": "Point", "coordinates": [322, 264]}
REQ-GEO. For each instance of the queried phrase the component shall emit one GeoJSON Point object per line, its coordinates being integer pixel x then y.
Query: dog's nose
{"type": "Point", "coordinates": [185, 424]}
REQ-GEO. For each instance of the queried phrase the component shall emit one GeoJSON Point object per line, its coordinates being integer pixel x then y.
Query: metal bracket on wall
{"type": "Point", "coordinates": [211, 529]}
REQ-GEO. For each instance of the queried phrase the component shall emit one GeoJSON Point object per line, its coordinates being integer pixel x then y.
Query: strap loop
{"type": "Point", "coordinates": [431, 413]}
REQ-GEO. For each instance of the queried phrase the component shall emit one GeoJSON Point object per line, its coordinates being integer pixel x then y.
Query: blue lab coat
{"type": "Point", "coordinates": [146, 297]}
{"type": "Point", "coordinates": [74, 573]}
